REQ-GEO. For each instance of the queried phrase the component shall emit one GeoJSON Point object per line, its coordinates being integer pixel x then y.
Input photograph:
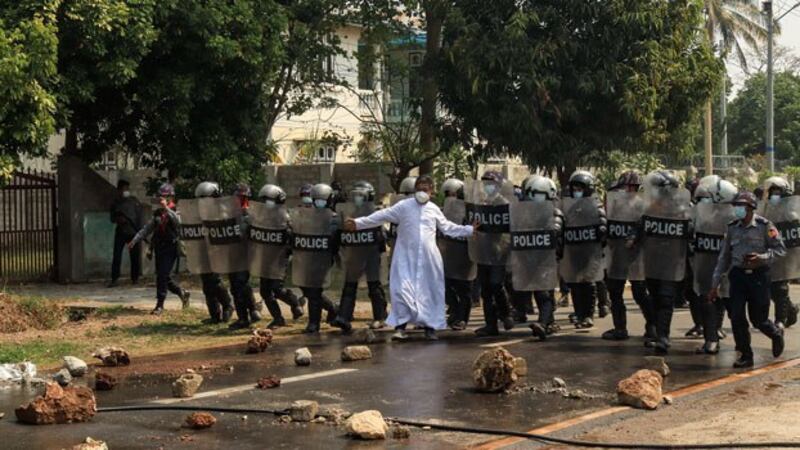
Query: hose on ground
{"type": "Point", "coordinates": [469, 429]}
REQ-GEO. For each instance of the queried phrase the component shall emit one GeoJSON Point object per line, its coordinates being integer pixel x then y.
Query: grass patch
{"type": "Point", "coordinates": [39, 352]}
{"type": "Point", "coordinates": [111, 312]}
{"type": "Point", "coordinates": [23, 313]}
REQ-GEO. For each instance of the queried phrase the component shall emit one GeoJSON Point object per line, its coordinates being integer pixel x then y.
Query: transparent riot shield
{"type": "Point", "coordinates": [786, 217]}
{"type": "Point", "coordinates": [583, 260]}
{"type": "Point", "coordinates": [533, 262]}
{"type": "Point", "coordinates": [360, 250]}
{"type": "Point", "coordinates": [623, 211]}
{"type": "Point", "coordinates": [193, 236]}
{"type": "Point", "coordinates": [490, 246]}
{"type": "Point", "coordinates": [391, 232]}
{"type": "Point", "coordinates": [710, 225]}
{"type": "Point", "coordinates": [227, 245]}
{"type": "Point", "coordinates": [269, 241]}
{"type": "Point", "coordinates": [312, 246]}
{"type": "Point", "coordinates": [665, 228]}
{"type": "Point", "coordinates": [455, 252]}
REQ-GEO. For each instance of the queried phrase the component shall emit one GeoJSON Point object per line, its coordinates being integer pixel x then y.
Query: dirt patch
{"type": "Point", "coordinates": [24, 313]}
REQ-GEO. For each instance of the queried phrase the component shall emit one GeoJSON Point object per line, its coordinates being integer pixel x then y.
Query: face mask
{"type": "Point", "coordinates": [422, 197]}
{"type": "Point", "coordinates": [320, 203]}
{"type": "Point", "coordinates": [705, 200]}
{"type": "Point", "coordinates": [269, 204]}
{"type": "Point", "coordinates": [126, 194]}
{"type": "Point", "coordinates": [774, 199]}
{"type": "Point", "coordinates": [489, 189]}
{"type": "Point", "coordinates": [307, 200]}
{"type": "Point", "coordinates": [358, 200]}
{"type": "Point", "coordinates": [577, 194]}
{"type": "Point", "coordinates": [539, 197]}
{"type": "Point", "coordinates": [740, 212]}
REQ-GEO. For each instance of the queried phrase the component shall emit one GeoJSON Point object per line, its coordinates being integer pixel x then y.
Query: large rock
{"type": "Point", "coordinates": [113, 356]}
{"type": "Point", "coordinates": [641, 390]}
{"type": "Point", "coordinates": [59, 405]}
{"type": "Point", "coordinates": [187, 385]}
{"type": "Point", "coordinates": [356, 353]}
{"type": "Point", "coordinates": [76, 367]}
{"type": "Point", "coordinates": [364, 336]}
{"type": "Point", "coordinates": [63, 378]}
{"type": "Point", "coordinates": [657, 364]}
{"type": "Point", "coordinates": [260, 341]}
{"type": "Point", "coordinates": [494, 370]}
{"type": "Point", "coordinates": [303, 410]}
{"type": "Point", "coordinates": [91, 444]}
{"type": "Point", "coordinates": [367, 425]}
{"type": "Point", "coordinates": [302, 356]}
{"type": "Point", "coordinates": [200, 420]}
{"type": "Point", "coordinates": [104, 382]}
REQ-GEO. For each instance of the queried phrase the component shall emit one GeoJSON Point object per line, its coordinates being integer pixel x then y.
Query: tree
{"type": "Point", "coordinates": [747, 112]}
{"type": "Point", "coordinates": [557, 82]}
{"type": "Point", "coordinates": [27, 75]}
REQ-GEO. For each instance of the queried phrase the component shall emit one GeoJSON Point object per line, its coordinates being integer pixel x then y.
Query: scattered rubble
{"type": "Point", "coordinates": [260, 341]}
{"type": "Point", "coordinates": [285, 419]}
{"type": "Point", "coordinates": [668, 400]}
{"type": "Point", "coordinates": [364, 336]}
{"type": "Point", "coordinates": [558, 388]}
{"type": "Point", "coordinates": [520, 367]}
{"type": "Point", "coordinates": [493, 371]}
{"type": "Point", "coordinates": [302, 356]}
{"type": "Point", "coordinates": [62, 377]}
{"type": "Point", "coordinates": [91, 444]}
{"type": "Point", "coordinates": [558, 382]}
{"type": "Point", "coordinates": [641, 390]}
{"type": "Point", "coordinates": [17, 373]}
{"type": "Point", "coordinates": [401, 432]}
{"type": "Point", "coordinates": [303, 410]}
{"type": "Point", "coordinates": [656, 363]}
{"type": "Point", "coordinates": [187, 385]}
{"type": "Point", "coordinates": [367, 425]}
{"type": "Point", "coordinates": [335, 415]}
{"type": "Point", "coordinates": [269, 382]}
{"type": "Point", "coordinates": [319, 419]}
{"type": "Point", "coordinates": [113, 356]}
{"type": "Point", "coordinates": [76, 367]}
{"type": "Point", "coordinates": [59, 405]}
{"type": "Point", "coordinates": [104, 382]}
{"type": "Point", "coordinates": [200, 420]}
{"type": "Point", "coordinates": [356, 353]}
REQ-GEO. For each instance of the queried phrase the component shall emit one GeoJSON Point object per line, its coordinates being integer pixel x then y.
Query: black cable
{"type": "Point", "coordinates": [474, 430]}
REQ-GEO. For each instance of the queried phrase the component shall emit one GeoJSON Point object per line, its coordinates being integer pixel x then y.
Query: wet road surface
{"type": "Point", "coordinates": [420, 380]}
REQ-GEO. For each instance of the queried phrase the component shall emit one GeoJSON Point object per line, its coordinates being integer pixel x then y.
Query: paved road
{"type": "Point", "coordinates": [417, 380]}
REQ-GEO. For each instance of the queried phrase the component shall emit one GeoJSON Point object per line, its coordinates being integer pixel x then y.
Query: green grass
{"type": "Point", "coordinates": [43, 313]}
{"type": "Point", "coordinates": [39, 352]}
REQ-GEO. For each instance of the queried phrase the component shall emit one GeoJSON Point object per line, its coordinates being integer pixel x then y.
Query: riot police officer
{"type": "Point", "coordinates": [271, 287]}
{"type": "Point", "coordinates": [750, 247]}
{"type": "Point", "coordinates": [247, 307]}
{"type": "Point", "coordinates": [218, 300]}
{"type": "Point", "coordinates": [361, 255]}
{"type": "Point", "coordinates": [165, 228]}
{"type": "Point", "coordinates": [778, 194]}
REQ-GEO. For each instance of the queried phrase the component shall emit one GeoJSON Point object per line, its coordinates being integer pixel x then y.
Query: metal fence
{"type": "Point", "coordinates": [28, 227]}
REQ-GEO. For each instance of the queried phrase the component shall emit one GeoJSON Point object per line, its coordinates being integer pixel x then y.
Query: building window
{"type": "Point", "coordinates": [415, 59]}
{"type": "Point", "coordinates": [325, 153]}
{"type": "Point", "coordinates": [366, 66]}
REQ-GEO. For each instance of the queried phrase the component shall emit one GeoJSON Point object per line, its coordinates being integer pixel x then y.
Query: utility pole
{"type": "Point", "coordinates": [723, 115]}
{"type": "Point", "coordinates": [770, 138]}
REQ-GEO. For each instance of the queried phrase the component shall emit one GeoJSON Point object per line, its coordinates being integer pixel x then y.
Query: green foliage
{"type": "Point", "coordinates": [37, 351]}
{"type": "Point", "coordinates": [616, 162]}
{"type": "Point", "coordinates": [746, 126]}
{"type": "Point", "coordinates": [559, 81]}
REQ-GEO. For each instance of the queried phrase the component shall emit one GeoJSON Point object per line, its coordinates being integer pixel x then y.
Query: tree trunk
{"type": "Point", "coordinates": [434, 17]}
{"type": "Point", "coordinates": [71, 142]}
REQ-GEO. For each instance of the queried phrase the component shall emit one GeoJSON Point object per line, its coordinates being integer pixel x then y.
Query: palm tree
{"type": "Point", "coordinates": [737, 25]}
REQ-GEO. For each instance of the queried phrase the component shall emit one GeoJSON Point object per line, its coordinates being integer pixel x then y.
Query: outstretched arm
{"type": "Point", "coordinates": [451, 229]}
{"type": "Point", "coordinates": [378, 218]}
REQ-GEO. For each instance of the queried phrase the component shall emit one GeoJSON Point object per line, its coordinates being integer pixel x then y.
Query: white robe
{"type": "Point", "coordinates": [416, 282]}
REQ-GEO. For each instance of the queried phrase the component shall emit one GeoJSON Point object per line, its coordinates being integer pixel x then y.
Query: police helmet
{"type": "Point", "coordinates": [272, 192]}
{"type": "Point", "coordinates": [779, 183]}
{"type": "Point", "coordinates": [584, 179]}
{"type": "Point", "coordinates": [662, 179]}
{"type": "Point", "coordinates": [207, 189]}
{"type": "Point", "coordinates": [305, 190]}
{"type": "Point", "coordinates": [166, 190]}
{"type": "Point", "coordinates": [628, 178]}
{"type": "Point", "coordinates": [494, 176]}
{"type": "Point", "coordinates": [453, 186]}
{"type": "Point", "coordinates": [542, 185]}
{"type": "Point", "coordinates": [364, 188]}
{"type": "Point", "coordinates": [701, 192]}
{"type": "Point", "coordinates": [408, 185]}
{"type": "Point", "coordinates": [322, 191]}
{"type": "Point", "coordinates": [746, 198]}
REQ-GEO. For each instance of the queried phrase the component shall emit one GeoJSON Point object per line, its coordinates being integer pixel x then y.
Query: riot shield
{"type": "Point", "coordinates": [623, 210]}
{"type": "Point", "coordinates": [269, 241]}
{"type": "Point", "coordinates": [490, 246]}
{"type": "Point", "coordinates": [455, 251]}
{"type": "Point", "coordinates": [583, 260]}
{"type": "Point", "coordinates": [193, 236]}
{"type": "Point", "coordinates": [710, 225]}
{"type": "Point", "coordinates": [786, 217]}
{"type": "Point", "coordinates": [665, 228]}
{"type": "Point", "coordinates": [227, 246]}
{"type": "Point", "coordinates": [360, 250]}
{"type": "Point", "coordinates": [312, 244]}
{"type": "Point", "coordinates": [533, 261]}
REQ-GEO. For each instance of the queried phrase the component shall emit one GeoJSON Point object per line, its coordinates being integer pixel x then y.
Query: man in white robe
{"type": "Point", "coordinates": [416, 281]}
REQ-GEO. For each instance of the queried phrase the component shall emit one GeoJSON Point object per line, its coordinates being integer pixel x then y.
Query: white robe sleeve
{"type": "Point", "coordinates": [378, 218]}
{"type": "Point", "coordinates": [449, 228]}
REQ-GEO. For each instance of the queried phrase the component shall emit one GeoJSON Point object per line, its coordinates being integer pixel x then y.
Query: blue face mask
{"type": "Point", "coordinates": [307, 200]}
{"type": "Point", "coordinates": [489, 189]}
{"type": "Point", "coordinates": [774, 199]}
{"type": "Point", "coordinates": [358, 200]}
{"type": "Point", "coordinates": [577, 194]}
{"type": "Point", "coordinates": [740, 212]}
{"type": "Point", "coordinates": [320, 203]}
{"type": "Point", "coordinates": [706, 200]}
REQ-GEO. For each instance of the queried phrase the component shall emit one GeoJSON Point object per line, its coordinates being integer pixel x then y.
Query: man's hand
{"type": "Point", "coordinates": [475, 224]}
{"type": "Point", "coordinates": [350, 225]}
{"type": "Point", "coordinates": [713, 295]}
{"type": "Point", "coordinates": [131, 245]}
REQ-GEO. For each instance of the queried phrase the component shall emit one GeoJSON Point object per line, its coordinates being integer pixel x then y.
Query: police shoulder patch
{"type": "Point", "coordinates": [760, 219]}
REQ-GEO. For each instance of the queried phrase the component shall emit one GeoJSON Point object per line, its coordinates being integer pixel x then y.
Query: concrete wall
{"type": "Point", "coordinates": [292, 177]}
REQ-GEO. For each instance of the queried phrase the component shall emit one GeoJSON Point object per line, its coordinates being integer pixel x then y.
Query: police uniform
{"type": "Point", "coordinates": [749, 282]}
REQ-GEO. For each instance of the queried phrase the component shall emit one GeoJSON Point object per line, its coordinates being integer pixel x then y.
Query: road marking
{"type": "Point", "coordinates": [688, 390]}
{"type": "Point", "coordinates": [566, 332]}
{"type": "Point", "coordinates": [251, 386]}
{"type": "Point", "coordinates": [504, 343]}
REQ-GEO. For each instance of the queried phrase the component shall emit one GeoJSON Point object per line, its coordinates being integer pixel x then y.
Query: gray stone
{"type": "Point", "coordinates": [302, 356]}
{"type": "Point", "coordinates": [356, 353]}
{"type": "Point", "coordinates": [559, 382]}
{"type": "Point", "coordinates": [401, 432]}
{"type": "Point", "coordinates": [367, 425]}
{"type": "Point", "coordinates": [365, 336]}
{"type": "Point", "coordinates": [187, 385]}
{"type": "Point", "coordinates": [335, 415]}
{"type": "Point", "coordinates": [656, 363]}
{"type": "Point", "coordinates": [76, 367]}
{"type": "Point", "coordinates": [91, 444]}
{"type": "Point", "coordinates": [63, 378]}
{"type": "Point", "coordinates": [303, 410]}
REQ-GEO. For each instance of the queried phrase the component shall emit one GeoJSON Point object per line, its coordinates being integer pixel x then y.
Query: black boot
{"type": "Point", "coordinates": [214, 310]}
{"type": "Point", "coordinates": [378, 299]}
{"type": "Point", "coordinates": [275, 311]}
{"type": "Point", "coordinates": [289, 297]}
{"type": "Point", "coordinates": [347, 306]}
{"type": "Point", "coordinates": [314, 315]}
{"type": "Point", "coordinates": [329, 307]}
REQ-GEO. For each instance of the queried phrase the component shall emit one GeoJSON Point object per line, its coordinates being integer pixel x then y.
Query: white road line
{"type": "Point", "coordinates": [504, 343]}
{"type": "Point", "coordinates": [251, 386]}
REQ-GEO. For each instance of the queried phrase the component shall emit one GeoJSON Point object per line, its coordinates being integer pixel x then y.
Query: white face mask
{"type": "Point", "coordinates": [740, 211]}
{"type": "Point", "coordinates": [422, 197]}
{"type": "Point", "coordinates": [490, 189]}
{"type": "Point", "coordinates": [577, 194]}
{"type": "Point", "coordinates": [307, 200]}
{"type": "Point", "coordinates": [358, 200]}
{"type": "Point", "coordinates": [774, 199]}
{"type": "Point", "coordinates": [320, 203]}
{"type": "Point", "coordinates": [706, 200]}
{"type": "Point", "coordinates": [269, 204]}
{"type": "Point", "coordinates": [126, 194]}
{"type": "Point", "coordinates": [539, 197]}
